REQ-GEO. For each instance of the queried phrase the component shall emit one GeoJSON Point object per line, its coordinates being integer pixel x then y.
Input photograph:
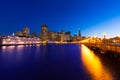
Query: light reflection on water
{"type": "Point", "coordinates": [17, 54]}
{"type": "Point", "coordinates": [8, 48]}
{"type": "Point", "coordinates": [11, 55]}
{"type": "Point", "coordinates": [19, 48]}
{"type": "Point", "coordinates": [55, 58]}
{"type": "Point", "coordinates": [94, 66]}
{"type": "Point", "coordinates": [4, 48]}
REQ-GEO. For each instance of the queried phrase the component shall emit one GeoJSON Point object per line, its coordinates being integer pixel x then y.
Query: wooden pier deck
{"type": "Point", "coordinates": [111, 50]}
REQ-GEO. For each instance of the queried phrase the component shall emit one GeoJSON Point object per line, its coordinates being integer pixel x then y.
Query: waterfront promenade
{"type": "Point", "coordinates": [109, 49]}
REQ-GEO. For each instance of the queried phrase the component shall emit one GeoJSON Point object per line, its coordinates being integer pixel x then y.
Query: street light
{"type": "Point", "coordinates": [104, 38]}
{"type": "Point", "coordinates": [104, 35]}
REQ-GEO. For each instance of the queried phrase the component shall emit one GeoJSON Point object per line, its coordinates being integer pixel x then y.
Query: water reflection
{"type": "Point", "coordinates": [8, 48]}
{"type": "Point", "coordinates": [20, 46]}
{"type": "Point", "coordinates": [19, 52]}
{"type": "Point", "coordinates": [38, 45]}
{"type": "Point", "coordinates": [4, 48]}
{"type": "Point", "coordinates": [94, 66]}
{"type": "Point", "coordinates": [11, 54]}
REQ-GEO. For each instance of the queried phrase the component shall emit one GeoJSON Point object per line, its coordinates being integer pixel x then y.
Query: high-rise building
{"type": "Point", "coordinates": [65, 36]}
{"type": "Point", "coordinates": [19, 34]}
{"type": "Point", "coordinates": [26, 30]}
{"type": "Point", "coordinates": [44, 33]}
{"type": "Point", "coordinates": [79, 33]}
{"type": "Point", "coordinates": [75, 37]}
{"type": "Point", "coordinates": [34, 34]}
{"type": "Point", "coordinates": [47, 35]}
{"type": "Point", "coordinates": [24, 33]}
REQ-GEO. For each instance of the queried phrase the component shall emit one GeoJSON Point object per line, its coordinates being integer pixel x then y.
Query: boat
{"type": "Point", "coordinates": [15, 40]}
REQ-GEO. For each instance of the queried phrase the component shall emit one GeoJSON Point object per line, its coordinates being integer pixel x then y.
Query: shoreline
{"type": "Point", "coordinates": [41, 43]}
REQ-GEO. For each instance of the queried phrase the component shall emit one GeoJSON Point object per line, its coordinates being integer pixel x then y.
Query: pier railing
{"type": "Point", "coordinates": [105, 46]}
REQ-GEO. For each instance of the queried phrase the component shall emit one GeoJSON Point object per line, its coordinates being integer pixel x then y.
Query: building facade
{"type": "Point", "coordinates": [47, 35]}
{"type": "Point", "coordinates": [44, 33]}
{"type": "Point", "coordinates": [24, 33]}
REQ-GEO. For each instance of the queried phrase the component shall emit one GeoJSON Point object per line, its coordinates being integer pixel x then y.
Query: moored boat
{"type": "Point", "coordinates": [14, 40]}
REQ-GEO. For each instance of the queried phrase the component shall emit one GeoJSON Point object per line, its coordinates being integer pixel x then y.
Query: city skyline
{"type": "Point", "coordinates": [93, 17]}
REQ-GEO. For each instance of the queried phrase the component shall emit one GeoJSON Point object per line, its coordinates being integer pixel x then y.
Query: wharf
{"type": "Point", "coordinates": [110, 50]}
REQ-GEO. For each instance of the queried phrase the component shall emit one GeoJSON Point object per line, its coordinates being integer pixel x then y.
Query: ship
{"type": "Point", "coordinates": [15, 40]}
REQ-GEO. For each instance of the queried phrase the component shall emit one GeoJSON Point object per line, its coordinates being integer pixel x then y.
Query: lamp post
{"type": "Point", "coordinates": [104, 35]}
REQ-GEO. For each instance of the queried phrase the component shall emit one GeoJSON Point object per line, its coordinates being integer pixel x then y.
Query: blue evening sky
{"type": "Point", "coordinates": [94, 17]}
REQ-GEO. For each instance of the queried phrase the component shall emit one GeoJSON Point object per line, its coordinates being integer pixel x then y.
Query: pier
{"type": "Point", "coordinates": [104, 47]}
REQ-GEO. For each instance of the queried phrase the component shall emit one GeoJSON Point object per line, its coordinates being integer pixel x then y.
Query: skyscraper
{"type": "Point", "coordinates": [26, 32]}
{"type": "Point", "coordinates": [79, 33]}
{"type": "Point", "coordinates": [44, 33]}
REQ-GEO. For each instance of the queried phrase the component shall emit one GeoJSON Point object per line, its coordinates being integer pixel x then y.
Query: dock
{"type": "Point", "coordinates": [112, 50]}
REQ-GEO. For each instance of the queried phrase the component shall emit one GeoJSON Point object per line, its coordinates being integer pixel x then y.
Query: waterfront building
{"type": "Point", "coordinates": [24, 33]}
{"type": "Point", "coordinates": [20, 34]}
{"type": "Point", "coordinates": [34, 34]}
{"type": "Point", "coordinates": [65, 36]}
{"type": "Point", "coordinates": [58, 37]}
{"type": "Point", "coordinates": [44, 33]}
{"type": "Point", "coordinates": [47, 35]}
{"type": "Point", "coordinates": [115, 39]}
{"type": "Point", "coordinates": [77, 37]}
{"type": "Point", "coordinates": [52, 36]}
{"type": "Point", "coordinates": [74, 38]}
